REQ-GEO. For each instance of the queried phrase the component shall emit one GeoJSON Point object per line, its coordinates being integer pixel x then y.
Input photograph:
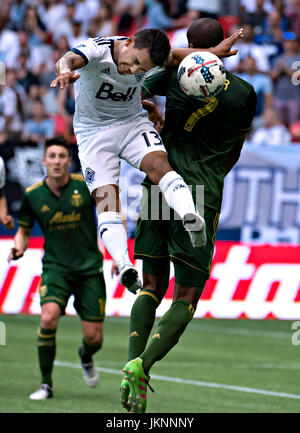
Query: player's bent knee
{"type": "Point", "coordinates": [93, 334]}
{"type": "Point", "coordinates": [49, 322]}
{"type": "Point", "coordinates": [95, 340]}
{"type": "Point", "coordinates": [190, 307]}
{"type": "Point", "coordinates": [155, 165]}
{"type": "Point", "coordinates": [153, 286]}
{"type": "Point", "coordinates": [50, 315]}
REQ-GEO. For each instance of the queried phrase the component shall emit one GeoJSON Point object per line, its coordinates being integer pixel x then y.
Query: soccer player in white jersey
{"type": "Point", "coordinates": [5, 219]}
{"type": "Point", "coordinates": [110, 123]}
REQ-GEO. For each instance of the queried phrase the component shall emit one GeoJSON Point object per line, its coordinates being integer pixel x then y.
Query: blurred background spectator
{"type": "Point", "coordinates": [286, 94]}
{"type": "Point", "coordinates": [39, 127]}
{"type": "Point", "coordinates": [272, 133]}
{"type": "Point", "coordinates": [34, 34]}
{"type": "Point", "coordinates": [262, 84]}
{"type": "Point", "coordinates": [160, 15]}
{"type": "Point", "coordinates": [179, 39]}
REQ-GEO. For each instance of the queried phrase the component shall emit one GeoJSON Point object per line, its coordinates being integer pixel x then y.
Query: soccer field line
{"type": "Point", "coordinates": [192, 382]}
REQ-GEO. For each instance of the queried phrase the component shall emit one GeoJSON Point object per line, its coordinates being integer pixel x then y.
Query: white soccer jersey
{"type": "Point", "coordinates": [2, 173]}
{"type": "Point", "coordinates": [103, 96]}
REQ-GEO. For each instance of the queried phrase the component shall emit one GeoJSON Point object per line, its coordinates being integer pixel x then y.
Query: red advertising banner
{"type": "Point", "coordinates": [247, 281]}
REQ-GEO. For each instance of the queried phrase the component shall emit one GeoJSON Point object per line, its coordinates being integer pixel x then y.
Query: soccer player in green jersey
{"type": "Point", "coordinates": [203, 140]}
{"type": "Point", "coordinates": [72, 262]}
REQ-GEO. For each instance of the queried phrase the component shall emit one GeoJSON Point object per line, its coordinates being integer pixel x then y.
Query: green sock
{"type": "Point", "coordinates": [142, 318]}
{"type": "Point", "coordinates": [46, 353]}
{"type": "Point", "coordinates": [86, 351]}
{"type": "Point", "coordinates": [168, 332]}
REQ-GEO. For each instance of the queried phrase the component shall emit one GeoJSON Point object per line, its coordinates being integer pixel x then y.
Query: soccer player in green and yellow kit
{"type": "Point", "coordinates": [72, 262]}
{"type": "Point", "coordinates": [203, 140]}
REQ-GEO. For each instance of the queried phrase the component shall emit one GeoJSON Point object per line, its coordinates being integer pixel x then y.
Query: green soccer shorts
{"type": "Point", "coordinates": [157, 241]}
{"type": "Point", "coordinates": [88, 290]}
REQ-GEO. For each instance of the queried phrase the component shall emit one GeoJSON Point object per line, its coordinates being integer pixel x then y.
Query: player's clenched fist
{"type": "Point", "coordinates": [15, 254]}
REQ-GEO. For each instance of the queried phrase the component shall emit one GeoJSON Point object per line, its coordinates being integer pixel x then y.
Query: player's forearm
{"type": "Point", "coordinates": [3, 208]}
{"type": "Point", "coordinates": [148, 106]}
{"type": "Point", "coordinates": [22, 239]}
{"type": "Point", "coordinates": [178, 54]}
{"type": "Point", "coordinates": [64, 64]}
{"type": "Point", "coordinates": [221, 50]}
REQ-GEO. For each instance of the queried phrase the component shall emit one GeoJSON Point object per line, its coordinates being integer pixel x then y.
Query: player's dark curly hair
{"type": "Point", "coordinates": [59, 140]}
{"type": "Point", "coordinates": [157, 42]}
{"type": "Point", "coordinates": [205, 33]}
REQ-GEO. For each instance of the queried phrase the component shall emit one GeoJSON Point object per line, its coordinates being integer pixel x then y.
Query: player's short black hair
{"type": "Point", "coordinates": [58, 140]}
{"type": "Point", "coordinates": [157, 42]}
{"type": "Point", "coordinates": [205, 33]}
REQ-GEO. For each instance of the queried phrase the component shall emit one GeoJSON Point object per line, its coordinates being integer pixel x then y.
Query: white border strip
{"type": "Point", "coordinates": [192, 382]}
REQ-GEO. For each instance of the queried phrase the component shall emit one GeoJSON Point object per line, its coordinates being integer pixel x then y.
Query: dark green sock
{"type": "Point", "coordinates": [86, 351]}
{"type": "Point", "coordinates": [167, 334]}
{"type": "Point", "coordinates": [142, 318]}
{"type": "Point", "coordinates": [46, 353]}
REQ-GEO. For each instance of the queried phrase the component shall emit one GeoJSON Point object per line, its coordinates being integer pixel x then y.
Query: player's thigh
{"type": "Point", "coordinates": [141, 140]}
{"type": "Point", "coordinates": [55, 289]}
{"type": "Point", "coordinates": [90, 297]}
{"type": "Point", "coordinates": [99, 158]}
{"type": "Point", "coordinates": [192, 265]}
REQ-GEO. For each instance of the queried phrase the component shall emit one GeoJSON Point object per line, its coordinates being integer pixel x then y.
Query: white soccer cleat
{"type": "Point", "coordinates": [90, 374]}
{"type": "Point", "coordinates": [45, 391]}
{"type": "Point", "coordinates": [129, 278]}
{"type": "Point", "coordinates": [195, 225]}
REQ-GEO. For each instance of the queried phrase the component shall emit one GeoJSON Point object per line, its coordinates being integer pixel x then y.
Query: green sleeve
{"type": "Point", "coordinates": [25, 215]}
{"type": "Point", "coordinates": [248, 111]}
{"type": "Point", "coordinates": [156, 83]}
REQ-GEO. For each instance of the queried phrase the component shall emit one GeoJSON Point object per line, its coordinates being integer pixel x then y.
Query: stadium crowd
{"type": "Point", "coordinates": [34, 34]}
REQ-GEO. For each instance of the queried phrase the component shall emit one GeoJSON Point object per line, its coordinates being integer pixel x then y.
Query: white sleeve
{"type": "Point", "coordinates": [2, 173]}
{"type": "Point", "coordinates": [90, 50]}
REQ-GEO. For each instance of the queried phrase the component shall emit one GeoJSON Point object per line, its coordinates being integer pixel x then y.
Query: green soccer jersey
{"type": "Point", "coordinates": [199, 135]}
{"type": "Point", "coordinates": [68, 224]}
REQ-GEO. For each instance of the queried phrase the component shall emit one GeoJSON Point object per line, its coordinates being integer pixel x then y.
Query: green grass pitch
{"type": "Point", "coordinates": [227, 366]}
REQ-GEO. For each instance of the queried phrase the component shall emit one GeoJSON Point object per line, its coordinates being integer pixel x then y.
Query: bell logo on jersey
{"type": "Point", "coordinates": [105, 92]}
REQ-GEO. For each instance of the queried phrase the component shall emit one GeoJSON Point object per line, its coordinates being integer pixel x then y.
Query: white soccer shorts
{"type": "Point", "coordinates": [100, 152]}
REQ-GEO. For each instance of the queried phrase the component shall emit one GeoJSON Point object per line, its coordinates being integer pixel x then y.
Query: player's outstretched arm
{"type": "Point", "coordinates": [65, 69]}
{"type": "Point", "coordinates": [21, 244]}
{"type": "Point", "coordinates": [221, 50]}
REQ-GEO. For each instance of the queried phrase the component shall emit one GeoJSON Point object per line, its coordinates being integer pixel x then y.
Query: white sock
{"type": "Point", "coordinates": [177, 193]}
{"type": "Point", "coordinates": [114, 236]}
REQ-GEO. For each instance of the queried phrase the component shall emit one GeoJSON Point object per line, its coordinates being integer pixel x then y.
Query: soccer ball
{"type": "Point", "coordinates": [201, 74]}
